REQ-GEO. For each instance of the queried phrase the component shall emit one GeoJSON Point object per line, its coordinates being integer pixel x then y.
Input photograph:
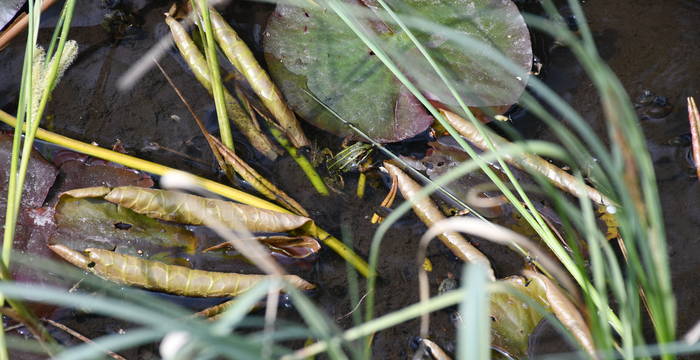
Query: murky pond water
{"type": "Point", "coordinates": [649, 44]}
{"type": "Point", "coordinates": [652, 45]}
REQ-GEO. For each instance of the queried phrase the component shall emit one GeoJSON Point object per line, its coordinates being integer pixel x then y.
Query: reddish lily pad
{"type": "Point", "coordinates": [311, 49]}
{"type": "Point", "coordinates": [81, 171]}
{"type": "Point", "coordinates": [40, 176]}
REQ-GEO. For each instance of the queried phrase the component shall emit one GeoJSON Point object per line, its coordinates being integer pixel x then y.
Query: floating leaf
{"type": "Point", "coordinates": [312, 49]}
{"type": "Point", "coordinates": [512, 320]}
{"type": "Point", "coordinates": [33, 224]}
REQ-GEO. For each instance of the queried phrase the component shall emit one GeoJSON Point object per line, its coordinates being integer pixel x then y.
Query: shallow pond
{"type": "Point", "coordinates": [649, 44]}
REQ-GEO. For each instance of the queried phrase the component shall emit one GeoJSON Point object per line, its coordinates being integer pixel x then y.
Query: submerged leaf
{"type": "Point", "coordinates": [33, 224]}
{"type": "Point", "coordinates": [92, 222]}
{"type": "Point", "coordinates": [81, 171]}
{"type": "Point", "coordinates": [40, 176]}
{"type": "Point", "coordinates": [312, 49]}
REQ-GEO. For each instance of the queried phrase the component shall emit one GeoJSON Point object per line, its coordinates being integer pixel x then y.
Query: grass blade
{"type": "Point", "coordinates": [473, 335]}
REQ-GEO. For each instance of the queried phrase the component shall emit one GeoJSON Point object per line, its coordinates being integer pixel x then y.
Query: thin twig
{"type": "Point", "coordinates": [82, 338]}
{"type": "Point", "coordinates": [357, 306]}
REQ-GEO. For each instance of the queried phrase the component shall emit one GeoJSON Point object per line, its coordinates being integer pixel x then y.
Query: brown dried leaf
{"type": "Point", "coordinates": [557, 176]}
{"type": "Point", "coordinates": [195, 210]}
{"type": "Point", "coordinates": [565, 310]}
{"type": "Point", "coordinates": [429, 213]}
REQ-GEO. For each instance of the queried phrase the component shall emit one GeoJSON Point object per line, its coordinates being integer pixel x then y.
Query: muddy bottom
{"type": "Point", "coordinates": [649, 44]}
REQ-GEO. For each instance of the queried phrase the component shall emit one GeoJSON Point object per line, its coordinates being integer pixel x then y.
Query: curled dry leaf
{"type": "Point", "coordinates": [557, 176]}
{"type": "Point", "coordinates": [429, 213]}
{"type": "Point", "coordinates": [257, 181]}
{"type": "Point", "coordinates": [513, 321]}
{"type": "Point", "coordinates": [565, 310]}
{"type": "Point", "coordinates": [157, 276]}
{"type": "Point", "coordinates": [198, 64]}
{"type": "Point", "coordinates": [243, 59]}
{"type": "Point", "coordinates": [435, 350]}
{"type": "Point", "coordinates": [195, 210]}
{"type": "Point", "coordinates": [295, 247]}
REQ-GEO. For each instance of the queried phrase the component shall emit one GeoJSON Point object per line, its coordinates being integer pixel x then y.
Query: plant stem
{"type": "Point", "coordinates": [301, 160]}
{"type": "Point", "coordinates": [216, 85]}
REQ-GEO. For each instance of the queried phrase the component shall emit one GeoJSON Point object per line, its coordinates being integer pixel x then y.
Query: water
{"type": "Point", "coordinates": [649, 44]}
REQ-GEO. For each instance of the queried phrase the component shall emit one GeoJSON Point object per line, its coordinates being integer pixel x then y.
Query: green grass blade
{"type": "Point", "coordinates": [213, 62]}
{"type": "Point", "coordinates": [240, 308]}
{"type": "Point", "coordinates": [132, 338]}
{"type": "Point", "coordinates": [473, 335]}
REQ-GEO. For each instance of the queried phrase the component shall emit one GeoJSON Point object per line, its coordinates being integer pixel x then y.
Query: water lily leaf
{"type": "Point", "coordinates": [80, 171]}
{"type": "Point", "coordinates": [312, 49]}
{"type": "Point", "coordinates": [512, 319]}
{"type": "Point", "coordinates": [87, 223]}
{"type": "Point", "coordinates": [40, 176]}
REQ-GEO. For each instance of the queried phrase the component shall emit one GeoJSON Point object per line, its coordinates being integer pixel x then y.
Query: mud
{"type": "Point", "coordinates": [649, 44]}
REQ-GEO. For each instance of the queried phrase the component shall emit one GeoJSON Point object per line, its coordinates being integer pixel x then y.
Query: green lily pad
{"type": "Point", "coordinates": [312, 49]}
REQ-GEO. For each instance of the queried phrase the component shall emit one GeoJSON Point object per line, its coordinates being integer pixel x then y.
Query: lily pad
{"type": "Point", "coordinates": [513, 321]}
{"type": "Point", "coordinates": [312, 49]}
